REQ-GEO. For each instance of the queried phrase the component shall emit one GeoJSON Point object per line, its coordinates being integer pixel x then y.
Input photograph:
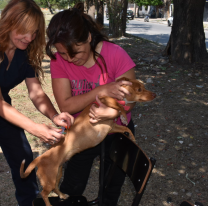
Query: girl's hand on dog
{"type": "Point", "coordinates": [102, 112]}
{"type": "Point", "coordinates": [47, 134]}
{"type": "Point", "coordinates": [115, 90]}
{"type": "Point", "coordinates": [64, 119]}
{"type": "Point", "coordinates": [50, 134]}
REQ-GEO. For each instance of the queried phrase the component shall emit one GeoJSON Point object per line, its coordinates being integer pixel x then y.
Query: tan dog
{"type": "Point", "coordinates": [81, 136]}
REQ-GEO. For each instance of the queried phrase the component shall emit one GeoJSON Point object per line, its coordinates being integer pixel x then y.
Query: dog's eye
{"type": "Point", "coordinates": [139, 89]}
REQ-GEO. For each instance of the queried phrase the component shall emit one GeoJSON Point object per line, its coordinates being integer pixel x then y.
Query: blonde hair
{"type": "Point", "coordinates": [25, 16]}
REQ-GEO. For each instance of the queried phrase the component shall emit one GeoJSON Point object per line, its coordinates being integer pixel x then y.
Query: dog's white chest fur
{"type": "Point", "coordinates": [99, 134]}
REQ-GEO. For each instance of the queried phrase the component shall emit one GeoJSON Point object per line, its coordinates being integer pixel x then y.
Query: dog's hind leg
{"type": "Point", "coordinates": [47, 180]}
{"type": "Point", "coordinates": [122, 129]}
{"type": "Point", "coordinates": [44, 195]}
{"type": "Point", "coordinates": [56, 190]}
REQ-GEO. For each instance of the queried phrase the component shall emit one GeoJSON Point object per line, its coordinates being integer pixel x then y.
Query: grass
{"type": "Point", "coordinates": [173, 114]}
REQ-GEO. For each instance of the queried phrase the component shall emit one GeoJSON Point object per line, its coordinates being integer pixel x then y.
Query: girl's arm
{"type": "Point", "coordinates": [74, 104]}
{"type": "Point", "coordinates": [45, 133]}
{"type": "Point", "coordinates": [44, 105]}
{"type": "Point", "coordinates": [10, 114]}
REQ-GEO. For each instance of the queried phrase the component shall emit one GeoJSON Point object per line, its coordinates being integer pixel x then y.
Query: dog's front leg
{"type": "Point", "coordinates": [56, 190]}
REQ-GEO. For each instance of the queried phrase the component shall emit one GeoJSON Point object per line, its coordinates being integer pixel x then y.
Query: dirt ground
{"type": "Point", "coordinates": [173, 129]}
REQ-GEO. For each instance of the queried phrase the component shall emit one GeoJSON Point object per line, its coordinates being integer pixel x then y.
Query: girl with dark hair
{"type": "Point", "coordinates": [22, 40]}
{"type": "Point", "coordinates": [85, 66]}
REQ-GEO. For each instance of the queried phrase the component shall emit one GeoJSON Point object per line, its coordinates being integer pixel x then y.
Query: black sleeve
{"type": "Point", "coordinates": [30, 72]}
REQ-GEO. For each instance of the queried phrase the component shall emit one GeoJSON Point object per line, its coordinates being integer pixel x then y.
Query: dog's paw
{"type": "Point", "coordinates": [63, 196]}
{"type": "Point", "coordinates": [123, 120]}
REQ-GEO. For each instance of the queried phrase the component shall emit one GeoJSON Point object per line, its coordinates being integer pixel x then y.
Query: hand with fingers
{"type": "Point", "coordinates": [64, 119]}
{"type": "Point", "coordinates": [115, 90]}
{"type": "Point", "coordinates": [102, 112]}
{"type": "Point", "coordinates": [47, 134]}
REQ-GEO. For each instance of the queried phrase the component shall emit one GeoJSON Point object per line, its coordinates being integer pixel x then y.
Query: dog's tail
{"type": "Point", "coordinates": [29, 169]}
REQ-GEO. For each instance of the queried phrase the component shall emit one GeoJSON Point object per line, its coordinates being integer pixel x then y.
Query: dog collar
{"type": "Point", "coordinates": [128, 102]}
{"type": "Point", "coordinates": [123, 102]}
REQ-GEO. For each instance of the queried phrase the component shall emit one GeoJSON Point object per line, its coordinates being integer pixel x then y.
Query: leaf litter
{"type": "Point", "coordinates": [178, 114]}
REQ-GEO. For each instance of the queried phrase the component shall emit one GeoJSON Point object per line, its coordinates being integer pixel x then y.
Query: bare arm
{"type": "Point", "coordinates": [44, 105]}
{"type": "Point", "coordinates": [74, 104]}
{"type": "Point", "coordinates": [45, 133]}
{"type": "Point", "coordinates": [39, 98]}
{"type": "Point", "coordinates": [10, 114]}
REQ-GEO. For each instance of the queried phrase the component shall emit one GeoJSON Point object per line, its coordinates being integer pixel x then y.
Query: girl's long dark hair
{"type": "Point", "coordinates": [72, 27]}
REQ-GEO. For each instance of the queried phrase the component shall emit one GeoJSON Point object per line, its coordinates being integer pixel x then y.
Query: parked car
{"type": "Point", "coordinates": [130, 14]}
{"type": "Point", "coordinates": [170, 21]}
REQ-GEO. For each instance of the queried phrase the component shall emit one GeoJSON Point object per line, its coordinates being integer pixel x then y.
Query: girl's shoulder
{"type": "Point", "coordinates": [112, 50]}
{"type": "Point", "coordinates": [110, 47]}
{"type": "Point", "coordinates": [58, 59]}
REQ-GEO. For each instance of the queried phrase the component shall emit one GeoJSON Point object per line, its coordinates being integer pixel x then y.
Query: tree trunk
{"type": "Point", "coordinates": [50, 7]}
{"type": "Point", "coordinates": [85, 6]}
{"type": "Point", "coordinates": [124, 13]}
{"type": "Point", "coordinates": [167, 51]}
{"type": "Point", "coordinates": [135, 6]}
{"type": "Point", "coordinates": [168, 8]}
{"type": "Point", "coordinates": [115, 17]}
{"type": "Point", "coordinates": [187, 43]}
{"type": "Point", "coordinates": [91, 8]}
{"type": "Point", "coordinates": [100, 12]}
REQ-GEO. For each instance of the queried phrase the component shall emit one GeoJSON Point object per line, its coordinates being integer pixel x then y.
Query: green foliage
{"type": "Point", "coordinates": [61, 4]}
{"type": "Point", "coordinates": [149, 2]}
{"type": "Point", "coordinates": [73, 2]}
{"type": "Point", "coordinates": [3, 3]}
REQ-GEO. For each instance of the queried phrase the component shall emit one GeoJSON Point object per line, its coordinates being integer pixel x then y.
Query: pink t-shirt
{"type": "Point", "coordinates": [85, 79]}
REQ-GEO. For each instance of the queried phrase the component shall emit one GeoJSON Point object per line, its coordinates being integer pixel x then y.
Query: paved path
{"type": "Point", "coordinates": [155, 30]}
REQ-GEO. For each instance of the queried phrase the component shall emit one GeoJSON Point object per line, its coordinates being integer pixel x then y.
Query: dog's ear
{"type": "Point", "coordinates": [122, 78]}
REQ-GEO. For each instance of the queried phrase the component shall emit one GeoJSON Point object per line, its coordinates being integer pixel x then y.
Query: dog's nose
{"type": "Point", "coordinates": [154, 95]}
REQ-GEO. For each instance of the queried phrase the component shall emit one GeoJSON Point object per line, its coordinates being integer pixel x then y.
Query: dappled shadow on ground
{"type": "Point", "coordinates": [161, 38]}
{"type": "Point", "coordinates": [7, 189]}
{"type": "Point", "coordinates": [172, 128]}
{"type": "Point", "coordinates": [46, 65]}
{"type": "Point", "coordinates": [144, 31]}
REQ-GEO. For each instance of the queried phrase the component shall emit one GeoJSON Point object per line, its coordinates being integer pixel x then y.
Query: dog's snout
{"type": "Point", "coordinates": [154, 95]}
